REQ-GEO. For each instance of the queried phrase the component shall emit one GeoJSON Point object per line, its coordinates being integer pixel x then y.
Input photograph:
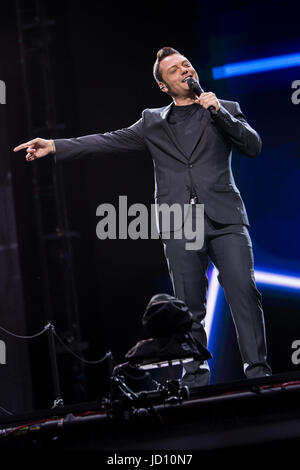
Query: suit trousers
{"type": "Point", "coordinates": [229, 247]}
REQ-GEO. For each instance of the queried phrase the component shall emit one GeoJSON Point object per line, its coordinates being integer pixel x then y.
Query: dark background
{"type": "Point", "coordinates": [97, 73]}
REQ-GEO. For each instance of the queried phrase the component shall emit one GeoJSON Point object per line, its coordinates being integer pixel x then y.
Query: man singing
{"type": "Point", "coordinates": [191, 151]}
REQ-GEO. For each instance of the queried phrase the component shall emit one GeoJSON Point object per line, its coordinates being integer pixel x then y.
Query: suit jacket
{"type": "Point", "coordinates": [208, 166]}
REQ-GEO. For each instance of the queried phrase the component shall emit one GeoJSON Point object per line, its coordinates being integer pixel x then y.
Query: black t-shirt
{"type": "Point", "coordinates": [185, 127]}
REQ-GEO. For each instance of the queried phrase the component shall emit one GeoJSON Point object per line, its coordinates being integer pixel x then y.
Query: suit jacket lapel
{"type": "Point", "coordinates": [203, 119]}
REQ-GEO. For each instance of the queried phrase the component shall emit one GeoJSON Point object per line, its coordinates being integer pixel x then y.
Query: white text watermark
{"type": "Point", "coordinates": [296, 354]}
{"type": "Point", "coordinates": [296, 94]}
{"type": "Point", "coordinates": [2, 92]}
{"type": "Point", "coordinates": [2, 352]}
{"type": "Point", "coordinates": [185, 222]}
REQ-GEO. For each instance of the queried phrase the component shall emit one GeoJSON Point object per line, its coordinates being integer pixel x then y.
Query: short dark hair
{"type": "Point", "coordinates": [161, 54]}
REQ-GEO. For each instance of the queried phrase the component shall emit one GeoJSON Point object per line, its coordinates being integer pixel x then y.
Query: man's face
{"type": "Point", "coordinates": [175, 69]}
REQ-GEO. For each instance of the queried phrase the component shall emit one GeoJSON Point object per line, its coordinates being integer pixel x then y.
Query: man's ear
{"type": "Point", "coordinates": [162, 87]}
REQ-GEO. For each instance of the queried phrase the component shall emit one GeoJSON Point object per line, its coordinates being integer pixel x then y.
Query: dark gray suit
{"type": "Point", "coordinates": [227, 241]}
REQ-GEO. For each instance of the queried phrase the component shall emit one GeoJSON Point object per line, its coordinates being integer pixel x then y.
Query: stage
{"type": "Point", "coordinates": [97, 91]}
{"type": "Point", "coordinates": [237, 416]}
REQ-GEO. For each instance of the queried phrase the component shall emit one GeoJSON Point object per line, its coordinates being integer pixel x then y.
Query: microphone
{"type": "Point", "coordinates": [196, 88]}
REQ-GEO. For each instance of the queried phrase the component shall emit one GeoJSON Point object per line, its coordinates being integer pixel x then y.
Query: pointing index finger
{"type": "Point", "coordinates": [22, 146]}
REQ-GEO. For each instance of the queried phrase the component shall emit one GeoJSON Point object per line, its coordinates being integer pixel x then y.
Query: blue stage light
{"type": "Point", "coordinates": [256, 66]}
{"type": "Point", "coordinates": [262, 277]}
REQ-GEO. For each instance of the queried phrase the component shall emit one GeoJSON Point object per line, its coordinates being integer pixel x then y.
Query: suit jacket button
{"type": "Point", "coordinates": [191, 166]}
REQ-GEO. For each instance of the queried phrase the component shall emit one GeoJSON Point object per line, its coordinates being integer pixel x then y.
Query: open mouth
{"type": "Point", "coordinates": [186, 78]}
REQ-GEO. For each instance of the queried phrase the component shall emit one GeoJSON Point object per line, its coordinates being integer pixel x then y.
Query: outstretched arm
{"type": "Point", "coordinates": [122, 140]}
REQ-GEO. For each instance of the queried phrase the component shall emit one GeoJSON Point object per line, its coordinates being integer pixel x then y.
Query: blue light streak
{"type": "Point", "coordinates": [256, 66]}
{"type": "Point", "coordinates": [262, 277]}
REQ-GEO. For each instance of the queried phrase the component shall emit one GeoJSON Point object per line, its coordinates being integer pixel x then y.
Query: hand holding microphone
{"type": "Point", "coordinates": [207, 100]}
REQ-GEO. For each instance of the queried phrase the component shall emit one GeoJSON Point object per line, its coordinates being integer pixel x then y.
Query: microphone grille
{"type": "Point", "coordinates": [194, 86]}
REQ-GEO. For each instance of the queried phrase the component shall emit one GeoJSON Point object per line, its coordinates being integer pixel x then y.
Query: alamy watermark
{"type": "Point", "coordinates": [2, 352]}
{"type": "Point", "coordinates": [185, 222]}
{"type": "Point", "coordinates": [296, 94]}
{"type": "Point", "coordinates": [2, 92]}
{"type": "Point", "coordinates": [296, 354]}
